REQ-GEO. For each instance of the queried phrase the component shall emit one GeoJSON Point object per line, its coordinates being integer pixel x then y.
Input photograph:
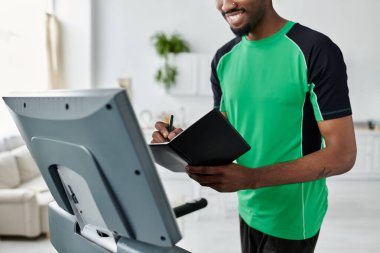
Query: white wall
{"type": "Point", "coordinates": [121, 45]}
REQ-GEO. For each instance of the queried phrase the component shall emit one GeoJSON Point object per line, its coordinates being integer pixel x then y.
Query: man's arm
{"type": "Point", "coordinates": [337, 158]}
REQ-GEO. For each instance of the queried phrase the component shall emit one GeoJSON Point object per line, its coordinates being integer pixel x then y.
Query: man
{"type": "Point", "coordinates": [283, 86]}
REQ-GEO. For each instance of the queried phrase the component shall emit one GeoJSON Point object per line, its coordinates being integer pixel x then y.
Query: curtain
{"type": "Point", "coordinates": [54, 54]}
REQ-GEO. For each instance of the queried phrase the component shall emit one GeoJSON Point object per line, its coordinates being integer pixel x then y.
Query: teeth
{"type": "Point", "coordinates": [234, 17]}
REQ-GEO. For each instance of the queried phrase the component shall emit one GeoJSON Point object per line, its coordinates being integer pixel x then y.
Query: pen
{"type": "Point", "coordinates": [170, 128]}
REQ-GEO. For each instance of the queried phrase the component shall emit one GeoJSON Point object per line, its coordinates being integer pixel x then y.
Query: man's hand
{"type": "Point", "coordinates": [227, 178]}
{"type": "Point", "coordinates": [337, 158]}
{"type": "Point", "coordinates": [162, 134]}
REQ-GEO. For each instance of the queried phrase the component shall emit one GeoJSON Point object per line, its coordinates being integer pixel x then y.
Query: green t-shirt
{"type": "Point", "coordinates": [274, 91]}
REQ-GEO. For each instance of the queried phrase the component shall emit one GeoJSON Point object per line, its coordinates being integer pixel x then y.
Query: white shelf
{"type": "Point", "coordinates": [193, 77]}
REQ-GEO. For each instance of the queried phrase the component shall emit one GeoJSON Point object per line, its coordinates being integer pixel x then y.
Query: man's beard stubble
{"type": "Point", "coordinates": [243, 31]}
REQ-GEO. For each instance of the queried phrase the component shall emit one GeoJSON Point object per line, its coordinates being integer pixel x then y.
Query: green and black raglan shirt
{"type": "Point", "coordinates": [274, 91]}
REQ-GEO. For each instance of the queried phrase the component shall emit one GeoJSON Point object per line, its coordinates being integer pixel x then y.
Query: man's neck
{"type": "Point", "coordinates": [270, 23]}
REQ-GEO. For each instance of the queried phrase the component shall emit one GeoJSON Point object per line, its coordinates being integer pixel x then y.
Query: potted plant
{"type": "Point", "coordinates": [165, 46]}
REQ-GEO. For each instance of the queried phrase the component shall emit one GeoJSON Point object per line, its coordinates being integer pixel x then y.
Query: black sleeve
{"type": "Point", "coordinates": [215, 82]}
{"type": "Point", "coordinates": [327, 74]}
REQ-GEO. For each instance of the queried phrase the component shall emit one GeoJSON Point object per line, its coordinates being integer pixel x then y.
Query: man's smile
{"type": "Point", "coordinates": [235, 18]}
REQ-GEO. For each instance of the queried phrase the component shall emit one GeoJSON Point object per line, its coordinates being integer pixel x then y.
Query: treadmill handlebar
{"type": "Point", "coordinates": [190, 207]}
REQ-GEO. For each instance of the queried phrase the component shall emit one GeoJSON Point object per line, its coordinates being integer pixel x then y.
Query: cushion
{"type": "Point", "coordinates": [25, 163]}
{"type": "Point", "coordinates": [44, 197]}
{"type": "Point", "coordinates": [10, 142]}
{"type": "Point", "coordinates": [9, 174]}
{"type": "Point", "coordinates": [36, 184]}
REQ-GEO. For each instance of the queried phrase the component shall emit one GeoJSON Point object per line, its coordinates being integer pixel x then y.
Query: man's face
{"type": "Point", "coordinates": [241, 15]}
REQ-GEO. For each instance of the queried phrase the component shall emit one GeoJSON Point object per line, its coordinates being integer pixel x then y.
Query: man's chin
{"type": "Point", "coordinates": [241, 31]}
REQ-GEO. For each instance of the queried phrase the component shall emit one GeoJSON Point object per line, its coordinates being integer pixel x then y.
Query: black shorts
{"type": "Point", "coordinates": [253, 241]}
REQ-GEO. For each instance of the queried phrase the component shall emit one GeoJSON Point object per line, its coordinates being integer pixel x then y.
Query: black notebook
{"type": "Point", "coordinates": [210, 141]}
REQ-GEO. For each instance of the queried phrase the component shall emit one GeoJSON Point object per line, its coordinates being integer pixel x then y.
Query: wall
{"type": "Point", "coordinates": [121, 46]}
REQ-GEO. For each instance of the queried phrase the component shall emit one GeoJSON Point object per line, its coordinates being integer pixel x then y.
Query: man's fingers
{"type": "Point", "coordinates": [174, 133]}
{"type": "Point", "coordinates": [205, 180]}
{"type": "Point", "coordinates": [205, 170]}
{"type": "Point", "coordinates": [157, 137]}
{"type": "Point", "coordinates": [162, 127]}
{"type": "Point", "coordinates": [159, 125]}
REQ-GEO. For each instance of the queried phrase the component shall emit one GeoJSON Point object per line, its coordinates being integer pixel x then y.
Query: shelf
{"type": "Point", "coordinates": [193, 76]}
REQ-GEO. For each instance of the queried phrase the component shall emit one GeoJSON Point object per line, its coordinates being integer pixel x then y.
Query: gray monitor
{"type": "Point", "coordinates": [95, 161]}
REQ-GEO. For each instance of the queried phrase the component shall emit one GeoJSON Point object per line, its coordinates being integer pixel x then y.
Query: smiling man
{"type": "Point", "coordinates": [284, 87]}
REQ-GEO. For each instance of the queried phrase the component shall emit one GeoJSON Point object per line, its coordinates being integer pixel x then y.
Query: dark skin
{"type": "Point", "coordinates": [260, 14]}
{"type": "Point", "coordinates": [337, 158]}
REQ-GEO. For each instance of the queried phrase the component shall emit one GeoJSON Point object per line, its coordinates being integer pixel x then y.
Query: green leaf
{"type": "Point", "coordinates": [164, 45]}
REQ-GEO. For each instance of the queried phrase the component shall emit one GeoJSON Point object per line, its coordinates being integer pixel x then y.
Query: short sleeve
{"type": "Point", "coordinates": [328, 81]}
{"type": "Point", "coordinates": [215, 84]}
{"type": "Point", "coordinates": [215, 81]}
{"type": "Point", "coordinates": [326, 73]}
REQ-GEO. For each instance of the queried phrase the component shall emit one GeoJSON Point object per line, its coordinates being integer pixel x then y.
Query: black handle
{"type": "Point", "coordinates": [189, 207]}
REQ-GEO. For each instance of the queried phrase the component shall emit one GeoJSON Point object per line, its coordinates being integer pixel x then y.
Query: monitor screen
{"type": "Point", "coordinates": [93, 156]}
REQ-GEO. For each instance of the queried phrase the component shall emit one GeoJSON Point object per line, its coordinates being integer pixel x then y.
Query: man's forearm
{"type": "Point", "coordinates": [320, 164]}
{"type": "Point", "coordinates": [338, 157]}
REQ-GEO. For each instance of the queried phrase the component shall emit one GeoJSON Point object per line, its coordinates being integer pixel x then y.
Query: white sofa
{"type": "Point", "coordinates": [24, 196]}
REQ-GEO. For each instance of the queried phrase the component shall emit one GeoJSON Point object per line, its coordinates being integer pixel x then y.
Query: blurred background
{"type": "Point", "coordinates": [82, 44]}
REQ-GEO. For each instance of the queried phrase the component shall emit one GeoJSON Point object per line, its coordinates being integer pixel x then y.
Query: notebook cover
{"type": "Point", "coordinates": [210, 141]}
